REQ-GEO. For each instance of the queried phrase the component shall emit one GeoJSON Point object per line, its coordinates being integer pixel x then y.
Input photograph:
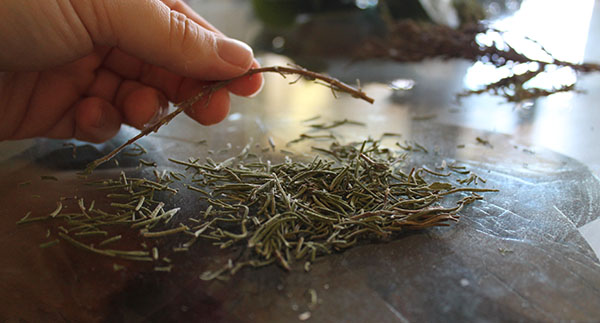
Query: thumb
{"type": "Point", "coordinates": [151, 31]}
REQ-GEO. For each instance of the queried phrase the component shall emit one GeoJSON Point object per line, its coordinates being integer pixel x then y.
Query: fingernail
{"type": "Point", "coordinates": [234, 52]}
{"type": "Point", "coordinates": [161, 111]}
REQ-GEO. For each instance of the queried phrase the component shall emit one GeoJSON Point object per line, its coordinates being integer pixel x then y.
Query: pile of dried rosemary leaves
{"type": "Point", "coordinates": [283, 213]}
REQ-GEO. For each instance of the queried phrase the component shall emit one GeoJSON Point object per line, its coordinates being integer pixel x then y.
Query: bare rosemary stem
{"type": "Point", "coordinates": [332, 83]}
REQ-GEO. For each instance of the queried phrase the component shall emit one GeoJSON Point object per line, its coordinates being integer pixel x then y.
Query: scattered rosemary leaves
{"type": "Point", "coordinates": [293, 210]}
{"type": "Point", "coordinates": [287, 212]}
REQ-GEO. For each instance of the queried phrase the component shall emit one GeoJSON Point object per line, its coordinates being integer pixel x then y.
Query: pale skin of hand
{"type": "Point", "coordinates": [81, 68]}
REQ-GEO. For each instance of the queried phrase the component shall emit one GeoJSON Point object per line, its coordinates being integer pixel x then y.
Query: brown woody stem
{"type": "Point", "coordinates": [333, 83]}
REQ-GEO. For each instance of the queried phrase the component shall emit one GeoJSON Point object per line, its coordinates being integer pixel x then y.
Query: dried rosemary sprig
{"type": "Point", "coordinates": [334, 84]}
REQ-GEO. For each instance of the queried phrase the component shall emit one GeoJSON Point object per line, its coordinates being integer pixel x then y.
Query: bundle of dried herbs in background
{"type": "Point", "coordinates": [409, 31]}
{"type": "Point", "coordinates": [410, 41]}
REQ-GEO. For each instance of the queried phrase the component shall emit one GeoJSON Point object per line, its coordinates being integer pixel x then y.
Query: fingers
{"type": "Point", "coordinates": [50, 99]}
{"type": "Point", "coordinates": [105, 85]}
{"type": "Point", "coordinates": [245, 87]}
{"type": "Point", "coordinates": [144, 106]}
{"type": "Point", "coordinates": [161, 46]}
{"type": "Point", "coordinates": [91, 119]}
{"type": "Point", "coordinates": [248, 85]}
{"type": "Point", "coordinates": [129, 67]}
{"type": "Point", "coordinates": [123, 64]}
{"type": "Point", "coordinates": [212, 109]}
{"type": "Point", "coordinates": [96, 120]}
{"type": "Point", "coordinates": [140, 105]}
{"type": "Point", "coordinates": [151, 31]}
{"type": "Point", "coordinates": [176, 89]}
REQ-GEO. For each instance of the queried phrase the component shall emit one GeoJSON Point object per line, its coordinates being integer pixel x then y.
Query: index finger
{"type": "Point", "coordinates": [184, 8]}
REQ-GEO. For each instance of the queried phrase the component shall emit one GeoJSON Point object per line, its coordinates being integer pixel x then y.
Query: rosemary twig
{"type": "Point", "coordinates": [333, 83]}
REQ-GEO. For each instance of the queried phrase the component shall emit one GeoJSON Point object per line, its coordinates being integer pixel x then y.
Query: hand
{"type": "Point", "coordinates": [78, 69]}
